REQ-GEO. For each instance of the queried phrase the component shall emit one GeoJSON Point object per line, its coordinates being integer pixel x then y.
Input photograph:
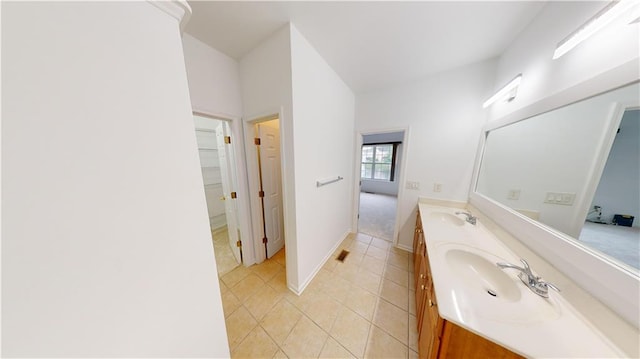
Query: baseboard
{"type": "Point", "coordinates": [403, 247]}
{"type": "Point", "coordinates": [319, 267]}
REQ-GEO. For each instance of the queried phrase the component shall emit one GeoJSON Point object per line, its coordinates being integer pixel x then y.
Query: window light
{"type": "Point", "coordinates": [611, 12]}
{"type": "Point", "coordinates": [509, 90]}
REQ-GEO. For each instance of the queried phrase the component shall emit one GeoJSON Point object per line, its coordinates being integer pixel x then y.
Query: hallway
{"type": "Point", "coordinates": [361, 307]}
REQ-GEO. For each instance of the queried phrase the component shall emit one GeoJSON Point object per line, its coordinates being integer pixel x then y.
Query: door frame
{"type": "Point", "coordinates": [253, 181]}
{"type": "Point", "coordinates": [401, 179]}
{"type": "Point", "coordinates": [243, 206]}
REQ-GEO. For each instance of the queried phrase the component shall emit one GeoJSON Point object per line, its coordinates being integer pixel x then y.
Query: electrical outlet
{"type": "Point", "coordinates": [514, 194]}
{"type": "Point", "coordinates": [437, 187]}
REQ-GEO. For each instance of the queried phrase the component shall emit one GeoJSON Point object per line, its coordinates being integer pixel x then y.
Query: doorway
{"type": "Point", "coordinates": [381, 156]}
{"type": "Point", "coordinates": [265, 161]}
{"type": "Point", "coordinates": [217, 162]}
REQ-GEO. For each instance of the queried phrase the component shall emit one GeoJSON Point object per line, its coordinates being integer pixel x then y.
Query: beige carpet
{"type": "Point", "coordinates": [377, 215]}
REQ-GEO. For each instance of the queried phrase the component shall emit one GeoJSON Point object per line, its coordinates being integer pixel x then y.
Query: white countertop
{"type": "Point", "coordinates": [462, 254]}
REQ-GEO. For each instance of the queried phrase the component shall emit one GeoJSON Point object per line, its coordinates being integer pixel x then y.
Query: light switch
{"type": "Point", "coordinates": [437, 187]}
{"type": "Point", "coordinates": [514, 194]}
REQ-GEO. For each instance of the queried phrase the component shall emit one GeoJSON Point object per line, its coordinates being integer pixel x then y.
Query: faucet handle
{"type": "Point", "coordinates": [550, 285]}
{"type": "Point", "coordinates": [526, 267]}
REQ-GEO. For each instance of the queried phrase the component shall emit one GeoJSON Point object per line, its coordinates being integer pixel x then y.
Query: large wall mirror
{"type": "Point", "coordinates": [575, 169]}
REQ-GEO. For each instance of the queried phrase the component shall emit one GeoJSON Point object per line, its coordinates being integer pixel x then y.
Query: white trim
{"type": "Point", "coordinates": [244, 214]}
{"type": "Point", "coordinates": [611, 283]}
{"type": "Point", "coordinates": [401, 179]}
{"type": "Point", "coordinates": [177, 9]}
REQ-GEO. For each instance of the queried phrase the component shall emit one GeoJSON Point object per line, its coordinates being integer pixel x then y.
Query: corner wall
{"type": "Point", "coordinates": [106, 250]}
{"type": "Point", "coordinates": [323, 113]}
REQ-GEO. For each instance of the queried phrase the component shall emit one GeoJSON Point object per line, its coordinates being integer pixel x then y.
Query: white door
{"type": "Point", "coordinates": [228, 177]}
{"type": "Point", "coordinates": [269, 135]}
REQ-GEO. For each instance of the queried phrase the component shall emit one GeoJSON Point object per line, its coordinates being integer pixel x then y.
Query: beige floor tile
{"type": "Point", "coordinates": [392, 319]}
{"type": "Point", "coordinates": [281, 355]}
{"type": "Point", "coordinates": [380, 243]}
{"type": "Point", "coordinates": [413, 333]}
{"type": "Point", "coordinates": [354, 258]}
{"type": "Point", "coordinates": [377, 253]}
{"type": "Point", "coordinates": [280, 320]}
{"type": "Point", "coordinates": [229, 303]}
{"type": "Point", "coordinates": [395, 293]}
{"type": "Point", "coordinates": [338, 288]}
{"type": "Point", "coordinates": [323, 310]}
{"type": "Point", "coordinates": [364, 238]}
{"type": "Point", "coordinates": [362, 302]}
{"type": "Point", "coordinates": [236, 275]}
{"type": "Point", "coordinates": [223, 287]}
{"type": "Point", "coordinates": [373, 265]}
{"type": "Point", "coordinates": [279, 282]}
{"type": "Point", "coordinates": [239, 324]}
{"type": "Point", "coordinates": [280, 257]}
{"type": "Point", "coordinates": [333, 349]}
{"type": "Point", "coordinates": [261, 302]}
{"type": "Point", "coordinates": [398, 260]}
{"type": "Point", "coordinates": [358, 247]}
{"type": "Point", "coordinates": [382, 345]}
{"type": "Point", "coordinates": [347, 271]}
{"type": "Point", "coordinates": [368, 281]}
{"type": "Point", "coordinates": [330, 265]}
{"type": "Point", "coordinates": [256, 344]}
{"type": "Point", "coordinates": [412, 302]}
{"type": "Point", "coordinates": [351, 331]}
{"type": "Point", "coordinates": [305, 340]}
{"type": "Point", "coordinates": [413, 355]}
{"type": "Point", "coordinates": [397, 275]}
{"type": "Point", "coordinates": [247, 286]}
{"type": "Point", "coordinates": [267, 269]}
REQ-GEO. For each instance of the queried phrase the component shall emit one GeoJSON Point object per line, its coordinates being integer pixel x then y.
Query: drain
{"type": "Point", "coordinates": [342, 255]}
{"type": "Point", "coordinates": [492, 293]}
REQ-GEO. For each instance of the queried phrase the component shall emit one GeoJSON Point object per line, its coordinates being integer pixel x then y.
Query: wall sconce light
{"type": "Point", "coordinates": [605, 16]}
{"type": "Point", "coordinates": [509, 91]}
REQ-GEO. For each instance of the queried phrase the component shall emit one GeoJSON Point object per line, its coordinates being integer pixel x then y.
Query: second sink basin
{"type": "Point", "coordinates": [482, 275]}
{"type": "Point", "coordinates": [480, 288]}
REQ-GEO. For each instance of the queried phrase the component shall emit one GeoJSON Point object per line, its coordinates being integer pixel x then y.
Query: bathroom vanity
{"type": "Point", "coordinates": [468, 307]}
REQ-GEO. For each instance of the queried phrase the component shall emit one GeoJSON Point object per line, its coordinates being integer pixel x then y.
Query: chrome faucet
{"type": "Point", "coordinates": [533, 282]}
{"type": "Point", "coordinates": [471, 219]}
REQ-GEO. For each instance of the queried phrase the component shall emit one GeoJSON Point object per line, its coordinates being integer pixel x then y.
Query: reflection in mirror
{"type": "Point", "coordinates": [546, 167]}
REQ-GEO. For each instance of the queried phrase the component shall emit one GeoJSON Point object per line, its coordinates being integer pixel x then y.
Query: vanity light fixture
{"type": "Point", "coordinates": [509, 90]}
{"type": "Point", "coordinates": [605, 16]}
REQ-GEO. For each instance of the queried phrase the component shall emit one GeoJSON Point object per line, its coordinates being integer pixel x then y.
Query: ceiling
{"type": "Point", "coordinates": [370, 44]}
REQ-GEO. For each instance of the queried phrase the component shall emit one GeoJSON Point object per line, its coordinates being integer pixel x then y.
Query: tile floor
{"type": "Point", "coordinates": [361, 308]}
{"type": "Point", "coordinates": [225, 260]}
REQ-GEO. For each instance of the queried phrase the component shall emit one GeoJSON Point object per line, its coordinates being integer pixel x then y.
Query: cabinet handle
{"type": "Point", "coordinates": [421, 276]}
{"type": "Point", "coordinates": [431, 303]}
{"type": "Point", "coordinates": [422, 287]}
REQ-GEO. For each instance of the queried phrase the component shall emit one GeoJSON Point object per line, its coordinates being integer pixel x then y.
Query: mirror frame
{"type": "Point", "coordinates": [613, 284]}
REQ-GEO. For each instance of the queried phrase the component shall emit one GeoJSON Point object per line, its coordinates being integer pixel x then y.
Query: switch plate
{"type": "Point", "coordinates": [562, 198]}
{"type": "Point", "coordinates": [514, 194]}
{"type": "Point", "coordinates": [437, 187]}
{"type": "Point", "coordinates": [413, 185]}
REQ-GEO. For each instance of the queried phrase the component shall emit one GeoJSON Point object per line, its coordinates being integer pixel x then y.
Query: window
{"type": "Point", "coordinates": [378, 161]}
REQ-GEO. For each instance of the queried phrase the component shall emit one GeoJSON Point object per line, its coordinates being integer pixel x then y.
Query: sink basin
{"type": "Point", "coordinates": [480, 288]}
{"type": "Point", "coordinates": [481, 275]}
{"type": "Point", "coordinates": [447, 218]}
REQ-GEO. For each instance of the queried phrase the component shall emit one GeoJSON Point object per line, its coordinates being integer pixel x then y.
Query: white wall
{"type": "Point", "coordinates": [323, 116]}
{"type": "Point", "coordinates": [265, 75]}
{"type": "Point", "coordinates": [106, 249]}
{"type": "Point", "coordinates": [619, 188]}
{"type": "Point", "coordinates": [214, 79]}
{"type": "Point", "coordinates": [531, 52]}
{"type": "Point", "coordinates": [381, 186]}
{"type": "Point", "coordinates": [444, 115]}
